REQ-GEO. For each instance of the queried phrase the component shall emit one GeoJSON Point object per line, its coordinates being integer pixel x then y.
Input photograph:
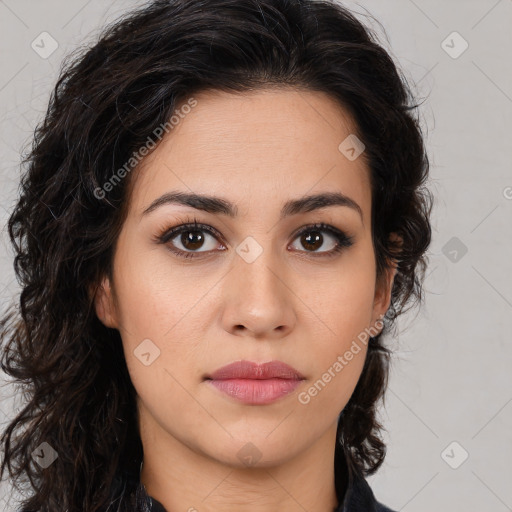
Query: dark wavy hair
{"type": "Point", "coordinates": [108, 99]}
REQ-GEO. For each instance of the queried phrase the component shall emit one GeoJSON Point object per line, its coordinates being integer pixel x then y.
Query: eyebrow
{"type": "Point", "coordinates": [217, 205]}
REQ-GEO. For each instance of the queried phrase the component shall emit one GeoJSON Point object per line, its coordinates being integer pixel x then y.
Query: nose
{"type": "Point", "coordinates": [258, 298]}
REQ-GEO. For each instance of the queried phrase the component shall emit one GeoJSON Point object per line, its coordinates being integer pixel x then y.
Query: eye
{"type": "Point", "coordinates": [193, 236]}
{"type": "Point", "coordinates": [312, 239]}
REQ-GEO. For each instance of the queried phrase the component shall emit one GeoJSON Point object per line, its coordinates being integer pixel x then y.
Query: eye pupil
{"type": "Point", "coordinates": [309, 240]}
{"type": "Point", "coordinates": [192, 240]}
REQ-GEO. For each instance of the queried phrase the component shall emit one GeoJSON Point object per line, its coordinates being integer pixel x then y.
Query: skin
{"type": "Point", "coordinates": [257, 150]}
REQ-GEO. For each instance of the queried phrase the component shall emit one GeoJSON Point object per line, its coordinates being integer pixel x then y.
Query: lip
{"type": "Point", "coordinates": [254, 383]}
{"type": "Point", "coordinates": [249, 370]}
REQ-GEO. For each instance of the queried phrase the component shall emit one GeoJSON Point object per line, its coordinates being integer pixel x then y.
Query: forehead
{"type": "Point", "coordinates": [255, 148]}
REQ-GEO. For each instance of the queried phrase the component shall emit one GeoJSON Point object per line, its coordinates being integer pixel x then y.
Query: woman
{"type": "Point", "coordinates": [223, 212]}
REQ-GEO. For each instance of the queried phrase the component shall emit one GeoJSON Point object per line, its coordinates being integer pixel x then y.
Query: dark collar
{"type": "Point", "coordinates": [358, 496]}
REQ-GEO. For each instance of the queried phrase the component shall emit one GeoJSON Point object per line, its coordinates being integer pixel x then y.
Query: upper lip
{"type": "Point", "coordinates": [249, 370]}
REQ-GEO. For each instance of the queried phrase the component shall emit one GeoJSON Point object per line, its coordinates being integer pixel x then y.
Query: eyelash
{"type": "Point", "coordinates": [342, 240]}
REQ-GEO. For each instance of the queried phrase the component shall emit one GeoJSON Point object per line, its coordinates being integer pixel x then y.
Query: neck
{"type": "Point", "coordinates": [183, 479]}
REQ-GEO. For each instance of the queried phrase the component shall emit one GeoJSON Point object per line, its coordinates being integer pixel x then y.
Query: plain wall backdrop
{"type": "Point", "coordinates": [448, 410]}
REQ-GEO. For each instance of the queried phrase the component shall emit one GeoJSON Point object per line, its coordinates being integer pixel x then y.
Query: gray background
{"type": "Point", "coordinates": [451, 378]}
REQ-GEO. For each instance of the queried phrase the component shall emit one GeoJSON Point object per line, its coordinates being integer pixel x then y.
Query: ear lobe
{"type": "Point", "coordinates": [104, 304]}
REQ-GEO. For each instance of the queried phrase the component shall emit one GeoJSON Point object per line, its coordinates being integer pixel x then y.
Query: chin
{"type": "Point", "coordinates": [253, 451]}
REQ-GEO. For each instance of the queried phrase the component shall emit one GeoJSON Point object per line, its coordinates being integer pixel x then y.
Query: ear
{"type": "Point", "coordinates": [384, 286]}
{"type": "Point", "coordinates": [104, 304]}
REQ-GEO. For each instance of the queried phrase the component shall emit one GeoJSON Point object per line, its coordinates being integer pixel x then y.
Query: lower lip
{"type": "Point", "coordinates": [256, 391]}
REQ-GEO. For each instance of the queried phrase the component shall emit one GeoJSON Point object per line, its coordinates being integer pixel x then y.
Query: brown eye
{"type": "Point", "coordinates": [313, 238]}
{"type": "Point", "coordinates": [312, 241]}
{"type": "Point", "coordinates": [194, 240]}
{"type": "Point", "coordinates": [190, 239]}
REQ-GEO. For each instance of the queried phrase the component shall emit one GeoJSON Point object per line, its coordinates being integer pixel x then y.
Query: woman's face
{"type": "Point", "coordinates": [253, 288]}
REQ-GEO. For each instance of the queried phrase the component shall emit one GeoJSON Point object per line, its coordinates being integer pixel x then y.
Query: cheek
{"type": "Point", "coordinates": [338, 357]}
{"type": "Point", "coordinates": [155, 296]}
{"type": "Point", "coordinates": [335, 382]}
{"type": "Point", "coordinates": [160, 323]}
{"type": "Point", "coordinates": [341, 298]}
{"type": "Point", "coordinates": [343, 309]}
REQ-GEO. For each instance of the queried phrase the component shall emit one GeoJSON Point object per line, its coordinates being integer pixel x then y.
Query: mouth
{"type": "Point", "coordinates": [256, 384]}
